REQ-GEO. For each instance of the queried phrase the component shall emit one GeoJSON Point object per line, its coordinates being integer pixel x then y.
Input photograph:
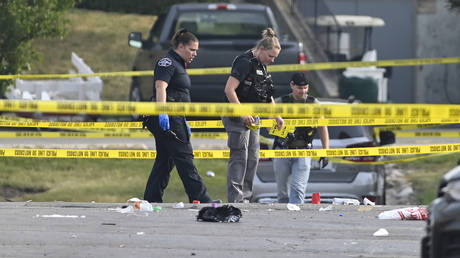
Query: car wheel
{"type": "Point", "coordinates": [381, 188]}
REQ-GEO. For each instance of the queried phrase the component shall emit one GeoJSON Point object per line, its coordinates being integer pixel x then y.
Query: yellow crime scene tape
{"type": "Point", "coordinates": [446, 134]}
{"type": "Point", "coordinates": [398, 112]}
{"type": "Point", "coordinates": [271, 68]}
{"type": "Point", "coordinates": [138, 134]}
{"type": "Point", "coordinates": [200, 135]}
{"type": "Point", "coordinates": [224, 154]}
{"type": "Point", "coordinates": [387, 161]}
{"type": "Point", "coordinates": [28, 134]}
{"type": "Point", "coordinates": [264, 123]}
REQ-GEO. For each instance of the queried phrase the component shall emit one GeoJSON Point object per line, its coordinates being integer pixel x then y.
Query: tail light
{"type": "Point", "coordinates": [301, 57]}
{"type": "Point", "coordinates": [362, 158]}
{"type": "Point", "coordinates": [222, 7]}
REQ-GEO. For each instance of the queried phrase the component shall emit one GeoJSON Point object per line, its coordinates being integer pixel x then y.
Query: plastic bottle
{"type": "Point", "coordinates": [345, 201]}
{"type": "Point", "coordinates": [143, 206]}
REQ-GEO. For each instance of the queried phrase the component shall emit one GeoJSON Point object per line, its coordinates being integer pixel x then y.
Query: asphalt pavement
{"type": "Point", "coordinates": [265, 230]}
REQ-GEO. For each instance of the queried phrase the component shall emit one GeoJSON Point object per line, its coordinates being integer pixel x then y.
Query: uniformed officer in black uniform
{"type": "Point", "coordinates": [248, 82]}
{"type": "Point", "coordinates": [172, 134]}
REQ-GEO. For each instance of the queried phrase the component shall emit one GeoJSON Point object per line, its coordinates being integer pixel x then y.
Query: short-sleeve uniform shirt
{"type": "Point", "coordinates": [171, 69]}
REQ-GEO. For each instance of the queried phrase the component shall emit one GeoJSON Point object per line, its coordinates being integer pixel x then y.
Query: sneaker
{"type": "Point", "coordinates": [216, 201]}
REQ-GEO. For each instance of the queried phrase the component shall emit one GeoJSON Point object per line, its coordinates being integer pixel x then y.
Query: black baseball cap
{"type": "Point", "coordinates": [299, 79]}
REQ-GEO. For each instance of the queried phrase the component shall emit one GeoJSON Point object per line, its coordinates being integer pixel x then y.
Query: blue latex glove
{"type": "Point", "coordinates": [163, 119]}
{"type": "Point", "coordinates": [188, 129]}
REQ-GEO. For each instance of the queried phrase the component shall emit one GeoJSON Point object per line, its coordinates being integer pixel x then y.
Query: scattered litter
{"type": "Point", "coordinates": [122, 246]}
{"type": "Point", "coordinates": [368, 202]}
{"type": "Point", "coordinates": [292, 207]}
{"type": "Point", "coordinates": [328, 208]}
{"type": "Point", "coordinates": [108, 224]}
{"type": "Point", "coordinates": [344, 201]}
{"type": "Point", "coordinates": [214, 205]}
{"type": "Point", "coordinates": [225, 213]}
{"type": "Point", "coordinates": [411, 213]}
{"type": "Point", "coordinates": [124, 209]}
{"type": "Point", "coordinates": [340, 214]}
{"type": "Point", "coordinates": [60, 216]}
{"type": "Point", "coordinates": [179, 205]}
{"type": "Point", "coordinates": [157, 208]}
{"type": "Point", "coordinates": [74, 236]}
{"type": "Point", "coordinates": [140, 233]}
{"type": "Point", "coordinates": [141, 205]}
{"type": "Point", "coordinates": [210, 174]}
{"type": "Point", "coordinates": [381, 232]}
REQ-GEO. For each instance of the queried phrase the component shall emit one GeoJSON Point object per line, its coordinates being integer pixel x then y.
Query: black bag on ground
{"type": "Point", "coordinates": [225, 213]}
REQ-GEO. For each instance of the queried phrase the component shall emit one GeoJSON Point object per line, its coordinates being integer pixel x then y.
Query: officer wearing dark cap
{"type": "Point", "coordinates": [172, 133]}
{"type": "Point", "coordinates": [298, 169]}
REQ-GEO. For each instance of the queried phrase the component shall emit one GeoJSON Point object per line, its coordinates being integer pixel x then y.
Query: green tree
{"type": "Point", "coordinates": [21, 21]}
{"type": "Point", "coordinates": [454, 4]}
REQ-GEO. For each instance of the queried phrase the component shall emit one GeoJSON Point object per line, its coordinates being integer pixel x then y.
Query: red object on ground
{"type": "Point", "coordinates": [316, 199]}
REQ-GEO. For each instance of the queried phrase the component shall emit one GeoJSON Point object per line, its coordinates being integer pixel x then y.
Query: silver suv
{"type": "Point", "coordinates": [337, 180]}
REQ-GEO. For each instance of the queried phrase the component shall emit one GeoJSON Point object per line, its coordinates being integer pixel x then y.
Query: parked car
{"type": "Point", "coordinates": [337, 180]}
{"type": "Point", "coordinates": [224, 31]}
{"type": "Point", "coordinates": [442, 237]}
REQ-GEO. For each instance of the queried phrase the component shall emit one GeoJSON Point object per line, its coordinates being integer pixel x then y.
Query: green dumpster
{"type": "Point", "coordinates": [364, 89]}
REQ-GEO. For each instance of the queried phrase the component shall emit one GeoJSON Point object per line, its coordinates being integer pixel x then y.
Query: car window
{"type": "Point", "coordinates": [225, 24]}
{"type": "Point", "coordinates": [344, 132]}
{"type": "Point", "coordinates": [157, 27]}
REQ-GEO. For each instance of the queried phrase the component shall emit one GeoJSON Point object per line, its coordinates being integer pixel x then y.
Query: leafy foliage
{"type": "Point", "coordinates": [454, 4]}
{"type": "Point", "coordinates": [22, 21]}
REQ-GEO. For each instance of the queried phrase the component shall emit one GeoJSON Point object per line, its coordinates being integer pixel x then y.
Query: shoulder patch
{"type": "Point", "coordinates": [165, 62]}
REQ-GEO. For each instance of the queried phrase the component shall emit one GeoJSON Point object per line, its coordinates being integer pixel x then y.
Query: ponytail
{"type": "Point", "coordinates": [182, 36]}
{"type": "Point", "coordinates": [269, 40]}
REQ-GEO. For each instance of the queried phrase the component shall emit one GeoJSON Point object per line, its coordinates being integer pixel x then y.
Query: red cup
{"type": "Point", "coordinates": [315, 199]}
{"type": "Point", "coordinates": [196, 201]}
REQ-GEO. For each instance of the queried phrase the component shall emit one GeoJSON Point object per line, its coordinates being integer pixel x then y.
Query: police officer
{"type": "Point", "coordinates": [172, 133]}
{"type": "Point", "coordinates": [248, 82]}
{"type": "Point", "coordinates": [297, 168]}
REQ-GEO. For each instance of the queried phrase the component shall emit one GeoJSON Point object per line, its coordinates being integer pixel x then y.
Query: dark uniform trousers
{"type": "Point", "coordinates": [170, 152]}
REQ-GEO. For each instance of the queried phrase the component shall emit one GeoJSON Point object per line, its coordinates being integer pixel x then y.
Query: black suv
{"type": "Point", "coordinates": [443, 224]}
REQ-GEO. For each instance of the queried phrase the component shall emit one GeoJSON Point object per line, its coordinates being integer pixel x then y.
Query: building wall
{"type": "Point", "coordinates": [396, 40]}
{"type": "Point", "coordinates": [438, 35]}
{"type": "Point", "coordinates": [414, 29]}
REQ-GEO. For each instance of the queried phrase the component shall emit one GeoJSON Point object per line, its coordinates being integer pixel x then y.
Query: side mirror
{"type": "Point", "coordinates": [135, 39]}
{"type": "Point", "coordinates": [386, 137]}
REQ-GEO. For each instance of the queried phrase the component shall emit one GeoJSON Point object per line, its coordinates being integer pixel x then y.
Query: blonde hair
{"type": "Point", "coordinates": [269, 40]}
